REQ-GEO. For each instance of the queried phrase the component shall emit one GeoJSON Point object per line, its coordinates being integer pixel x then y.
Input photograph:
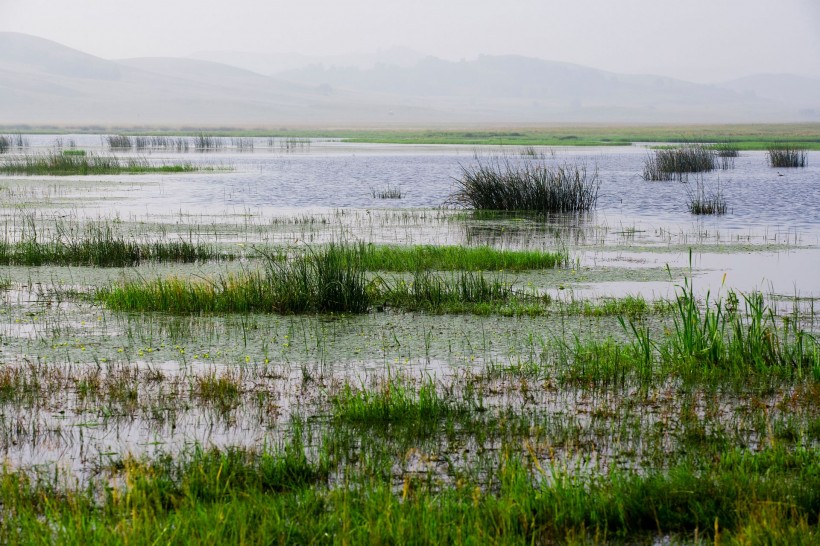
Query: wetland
{"type": "Point", "coordinates": [321, 341]}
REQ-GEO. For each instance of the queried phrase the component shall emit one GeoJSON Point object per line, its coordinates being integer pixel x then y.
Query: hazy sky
{"type": "Point", "coordinates": [701, 40]}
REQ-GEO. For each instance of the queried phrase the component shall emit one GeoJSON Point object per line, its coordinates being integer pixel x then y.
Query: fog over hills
{"type": "Point", "coordinates": [42, 82]}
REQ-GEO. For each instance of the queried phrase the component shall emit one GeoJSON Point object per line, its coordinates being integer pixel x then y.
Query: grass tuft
{"type": "Point", "coordinates": [673, 163]}
{"type": "Point", "coordinates": [787, 155]}
{"type": "Point", "coordinates": [504, 185]}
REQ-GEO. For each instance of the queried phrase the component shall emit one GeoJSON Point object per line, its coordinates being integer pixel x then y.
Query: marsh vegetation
{"type": "Point", "coordinates": [501, 184]}
{"type": "Point", "coordinates": [184, 370]}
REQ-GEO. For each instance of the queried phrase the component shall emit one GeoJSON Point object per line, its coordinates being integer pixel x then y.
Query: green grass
{"type": "Point", "coordinates": [744, 136]}
{"type": "Point", "coordinates": [325, 281]}
{"type": "Point", "coordinates": [236, 496]}
{"type": "Point", "coordinates": [105, 250]}
{"type": "Point", "coordinates": [671, 163]}
{"type": "Point", "coordinates": [451, 258]}
{"type": "Point", "coordinates": [395, 403]}
{"type": "Point", "coordinates": [54, 164]}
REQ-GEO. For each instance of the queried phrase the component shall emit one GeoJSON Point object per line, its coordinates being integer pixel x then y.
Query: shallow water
{"type": "Point", "coordinates": [640, 240]}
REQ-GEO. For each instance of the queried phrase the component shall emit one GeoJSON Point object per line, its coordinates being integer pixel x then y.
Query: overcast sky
{"type": "Point", "coordinates": [700, 40]}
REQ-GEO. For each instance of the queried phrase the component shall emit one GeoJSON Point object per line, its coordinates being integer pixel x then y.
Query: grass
{"type": "Point", "coordinates": [330, 279]}
{"type": "Point", "coordinates": [99, 246]}
{"type": "Point", "coordinates": [539, 187]}
{"type": "Point", "coordinates": [396, 403]}
{"type": "Point", "coordinates": [787, 155]}
{"type": "Point", "coordinates": [451, 258]}
{"type": "Point", "coordinates": [324, 281]}
{"type": "Point", "coordinates": [54, 164]}
{"type": "Point", "coordinates": [673, 163]}
{"type": "Point", "coordinates": [719, 334]}
{"type": "Point", "coordinates": [248, 497]}
{"type": "Point", "coordinates": [75, 153]}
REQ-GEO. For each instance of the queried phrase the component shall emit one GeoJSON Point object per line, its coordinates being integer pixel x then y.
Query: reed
{"type": "Point", "coordinates": [703, 201]}
{"type": "Point", "coordinates": [673, 163]}
{"type": "Point", "coordinates": [119, 142]}
{"type": "Point", "coordinates": [503, 185]}
{"type": "Point", "coordinates": [787, 155]}
{"type": "Point", "coordinates": [389, 192]}
{"type": "Point", "coordinates": [208, 143]}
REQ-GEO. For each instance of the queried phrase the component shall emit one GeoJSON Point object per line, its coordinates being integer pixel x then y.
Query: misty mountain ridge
{"type": "Point", "coordinates": [42, 82]}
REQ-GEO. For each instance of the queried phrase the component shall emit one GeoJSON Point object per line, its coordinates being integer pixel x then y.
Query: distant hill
{"type": "Point", "coordinates": [800, 92]}
{"type": "Point", "coordinates": [42, 82]}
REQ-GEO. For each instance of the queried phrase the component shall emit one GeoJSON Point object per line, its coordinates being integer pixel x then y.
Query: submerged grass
{"type": "Point", "coordinates": [532, 186]}
{"type": "Point", "coordinates": [57, 164]}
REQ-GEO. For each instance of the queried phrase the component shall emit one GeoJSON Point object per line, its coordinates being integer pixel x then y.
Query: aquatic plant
{"type": "Point", "coordinates": [451, 258]}
{"type": "Point", "coordinates": [389, 192]}
{"type": "Point", "coordinates": [504, 185]}
{"type": "Point", "coordinates": [786, 155]}
{"type": "Point", "coordinates": [672, 163]}
{"type": "Point", "coordinates": [119, 142]}
{"type": "Point", "coordinates": [62, 164]}
{"type": "Point", "coordinates": [703, 201]}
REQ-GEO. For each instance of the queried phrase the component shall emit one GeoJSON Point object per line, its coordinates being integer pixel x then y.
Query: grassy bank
{"type": "Point", "coordinates": [743, 136]}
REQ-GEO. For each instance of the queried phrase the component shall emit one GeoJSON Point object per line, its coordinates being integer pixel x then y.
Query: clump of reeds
{"type": "Point", "coordinates": [390, 192]}
{"type": "Point", "coordinates": [292, 144]}
{"type": "Point", "coordinates": [504, 185]}
{"type": "Point", "coordinates": [787, 155]}
{"type": "Point", "coordinates": [75, 152]}
{"type": "Point", "coordinates": [119, 142]}
{"type": "Point", "coordinates": [673, 163]}
{"type": "Point", "coordinates": [242, 144]}
{"type": "Point", "coordinates": [703, 201]}
{"type": "Point", "coordinates": [13, 141]}
{"type": "Point", "coordinates": [208, 143]}
{"type": "Point", "coordinates": [62, 164]}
